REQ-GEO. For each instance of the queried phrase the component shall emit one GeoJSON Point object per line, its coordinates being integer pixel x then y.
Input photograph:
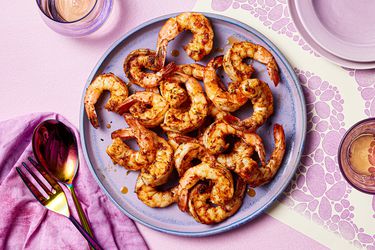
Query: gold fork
{"type": "Point", "coordinates": [55, 200]}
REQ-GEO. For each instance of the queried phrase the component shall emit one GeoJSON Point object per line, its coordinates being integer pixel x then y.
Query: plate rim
{"type": "Point", "coordinates": [237, 223]}
{"type": "Point", "coordinates": [320, 50]}
{"type": "Point", "coordinates": [355, 52]}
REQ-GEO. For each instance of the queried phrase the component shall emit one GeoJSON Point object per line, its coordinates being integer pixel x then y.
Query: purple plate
{"type": "Point", "coordinates": [289, 111]}
{"type": "Point", "coordinates": [345, 28]}
{"type": "Point", "coordinates": [317, 48]}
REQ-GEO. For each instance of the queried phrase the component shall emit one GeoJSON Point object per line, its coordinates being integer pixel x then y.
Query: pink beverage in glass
{"type": "Point", "coordinates": [74, 18]}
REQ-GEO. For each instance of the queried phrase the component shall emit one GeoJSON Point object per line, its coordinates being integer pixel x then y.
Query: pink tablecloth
{"type": "Point", "coordinates": [43, 71]}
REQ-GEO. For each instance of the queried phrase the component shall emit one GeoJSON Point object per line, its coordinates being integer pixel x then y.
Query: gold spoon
{"type": "Point", "coordinates": [55, 147]}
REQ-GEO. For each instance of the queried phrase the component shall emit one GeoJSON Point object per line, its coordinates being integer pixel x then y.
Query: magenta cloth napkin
{"type": "Point", "coordinates": [26, 224]}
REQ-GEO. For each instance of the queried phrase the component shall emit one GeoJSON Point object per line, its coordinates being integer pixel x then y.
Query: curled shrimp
{"type": "Point", "coordinates": [203, 35]}
{"type": "Point", "coordinates": [185, 120]}
{"type": "Point", "coordinates": [257, 176]}
{"type": "Point", "coordinates": [237, 158]}
{"type": "Point", "coordinates": [172, 91]}
{"type": "Point", "coordinates": [157, 172]}
{"type": "Point", "coordinates": [230, 100]}
{"type": "Point", "coordinates": [238, 70]}
{"type": "Point", "coordinates": [148, 108]}
{"type": "Point", "coordinates": [152, 196]}
{"type": "Point", "coordinates": [123, 155]}
{"type": "Point", "coordinates": [141, 59]}
{"type": "Point", "coordinates": [204, 212]}
{"type": "Point", "coordinates": [170, 86]}
{"type": "Point", "coordinates": [189, 150]}
{"type": "Point", "coordinates": [113, 84]}
{"type": "Point", "coordinates": [214, 138]}
{"type": "Point", "coordinates": [261, 97]}
{"type": "Point", "coordinates": [222, 190]}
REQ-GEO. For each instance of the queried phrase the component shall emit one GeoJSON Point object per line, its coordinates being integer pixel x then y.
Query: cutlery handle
{"type": "Point", "coordinates": [81, 214]}
{"type": "Point", "coordinates": [93, 243]}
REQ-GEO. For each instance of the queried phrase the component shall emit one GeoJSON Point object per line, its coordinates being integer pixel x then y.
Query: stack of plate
{"type": "Point", "coordinates": [343, 31]}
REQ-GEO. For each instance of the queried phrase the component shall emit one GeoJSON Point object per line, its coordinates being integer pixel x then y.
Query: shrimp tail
{"type": "Point", "coordinates": [274, 75]}
{"type": "Point", "coordinates": [167, 70]}
{"type": "Point", "coordinates": [125, 106]}
{"type": "Point", "coordinates": [161, 54]}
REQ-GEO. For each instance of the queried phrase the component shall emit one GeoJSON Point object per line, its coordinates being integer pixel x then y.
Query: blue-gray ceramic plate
{"type": "Point", "coordinates": [289, 111]}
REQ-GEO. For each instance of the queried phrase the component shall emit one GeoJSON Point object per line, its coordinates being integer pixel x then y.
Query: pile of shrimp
{"type": "Point", "coordinates": [186, 100]}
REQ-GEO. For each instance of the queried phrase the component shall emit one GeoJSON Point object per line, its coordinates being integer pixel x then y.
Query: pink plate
{"type": "Point", "coordinates": [318, 49]}
{"type": "Point", "coordinates": [343, 27]}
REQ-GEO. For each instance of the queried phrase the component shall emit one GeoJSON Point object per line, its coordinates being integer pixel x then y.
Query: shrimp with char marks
{"type": "Point", "coordinates": [238, 159]}
{"type": "Point", "coordinates": [158, 172]}
{"type": "Point", "coordinates": [222, 190]}
{"type": "Point", "coordinates": [238, 70]}
{"type": "Point", "coordinates": [186, 120]}
{"type": "Point", "coordinates": [204, 212]}
{"type": "Point", "coordinates": [203, 35]}
{"type": "Point", "coordinates": [105, 82]}
{"type": "Point", "coordinates": [261, 97]}
{"type": "Point", "coordinates": [255, 175]}
{"type": "Point", "coordinates": [148, 108]}
{"type": "Point", "coordinates": [153, 197]}
{"type": "Point", "coordinates": [122, 154]}
{"type": "Point", "coordinates": [227, 100]}
{"type": "Point", "coordinates": [214, 138]}
{"type": "Point", "coordinates": [172, 91]}
{"type": "Point", "coordinates": [170, 86]}
{"type": "Point", "coordinates": [141, 59]}
{"type": "Point", "coordinates": [187, 151]}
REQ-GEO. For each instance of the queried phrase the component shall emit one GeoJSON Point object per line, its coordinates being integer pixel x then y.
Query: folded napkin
{"type": "Point", "coordinates": [26, 224]}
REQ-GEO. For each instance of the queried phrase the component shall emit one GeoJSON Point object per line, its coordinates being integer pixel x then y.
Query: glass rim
{"type": "Point", "coordinates": [67, 22]}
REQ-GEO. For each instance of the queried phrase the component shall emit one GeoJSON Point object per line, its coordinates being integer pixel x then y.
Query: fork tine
{"type": "Point", "coordinates": [38, 195]}
{"type": "Point", "coordinates": [45, 174]}
{"type": "Point", "coordinates": [49, 193]}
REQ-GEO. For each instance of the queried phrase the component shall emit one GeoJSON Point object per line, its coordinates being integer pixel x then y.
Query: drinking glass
{"type": "Point", "coordinates": [74, 18]}
{"type": "Point", "coordinates": [362, 180]}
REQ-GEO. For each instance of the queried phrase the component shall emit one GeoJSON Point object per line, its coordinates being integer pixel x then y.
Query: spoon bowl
{"type": "Point", "coordinates": [55, 147]}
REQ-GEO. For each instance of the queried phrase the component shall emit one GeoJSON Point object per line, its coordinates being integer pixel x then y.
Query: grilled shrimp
{"type": "Point", "coordinates": [261, 97]}
{"type": "Point", "coordinates": [148, 108]}
{"type": "Point", "coordinates": [170, 87]}
{"type": "Point", "coordinates": [153, 197]}
{"type": "Point", "coordinates": [188, 151]}
{"type": "Point", "coordinates": [230, 100]}
{"type": "Point", "coordinates": [122, 154]}
{"type": "Point", "coordinates": [214, 138]}
{"type": "Point", "coordinates": [117, 88]}
{"type": "Point", "coordinates": [172, 91]}
{"type": "Point", "coordinates": [234, 159]}
{"type": "Point", "coordinates": [204, 212]}
{"type": "Point", "coordinates": [257, 176]}
{"type": "Point", "coordinates": [182, 120]}
{"type": "Point", "coordinates": [195, 70]}
{"type": "Point", "coordinates": [141, 59]}
{"type": "Point", "coordinates": [203, 35]}
{"type": "Point", "coordinates": [238, 70]}
{"type": "Point", "coordinates": [158, 172]}
{"type": "Point", "coordinates": [222, 190]}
